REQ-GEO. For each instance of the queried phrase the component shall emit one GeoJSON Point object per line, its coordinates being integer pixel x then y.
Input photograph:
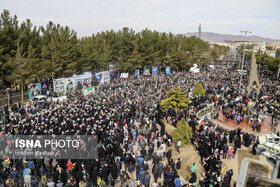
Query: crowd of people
{"type": "Point", "coordinates": [133, 147]}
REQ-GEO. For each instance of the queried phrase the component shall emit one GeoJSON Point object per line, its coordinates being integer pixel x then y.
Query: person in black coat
{"type": "Point", "coordinates": [227, 178]}
{"type": "Point", "coordinates": [254, 152]}
{"type": "Point", "coordinates": [193, 178]}
{"type": "Point", "coordinates": [94, 174]}
{"type": "Point", "coordinates": [80, 176]}
{"type": "Point", "coordinates": [247, 140]}
{"type": "Point", "coordinates": [237, 142]}
{"type": "Point", "coordinates": [169, 154]}
{"type": "Point", "coordinates": [104, 173]}
{"type": "Point", "coordinates": [114, 171]}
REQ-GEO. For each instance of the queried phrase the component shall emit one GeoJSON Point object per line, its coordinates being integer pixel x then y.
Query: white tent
{"type": "Point", "coordinates": [194, 69]}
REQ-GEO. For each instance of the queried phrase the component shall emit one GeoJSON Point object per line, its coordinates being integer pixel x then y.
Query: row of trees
{"type": "Point", "coordinates": [33, 54]}
{"type": "Point", "coordinates": [269, 63]}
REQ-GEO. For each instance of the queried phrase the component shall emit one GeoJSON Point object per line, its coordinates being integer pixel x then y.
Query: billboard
{"type": "Point", "coordinates": [167, 69]}
{"type": "Point", "coordinates": [155, 70]}
{"type": "Point", "coordinates": [137, 72]}
{"type": "Point", "coordinates": [111, 68]}
{"type": "Point", "coordinates": [59, 86]}
{"type": "Point", "coordinates": [146, 71]}
{"type": "Point", "coordinates": [34, 89]}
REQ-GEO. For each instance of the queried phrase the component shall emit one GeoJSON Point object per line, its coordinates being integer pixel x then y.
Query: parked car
{"type": "Point", "coordinates": [61, 98]}
{"type": "Point", "coordinates": [39, 98]}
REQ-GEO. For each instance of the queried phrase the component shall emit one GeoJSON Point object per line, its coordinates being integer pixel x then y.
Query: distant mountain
{"type": "Point", "coordinates": [218, 38]}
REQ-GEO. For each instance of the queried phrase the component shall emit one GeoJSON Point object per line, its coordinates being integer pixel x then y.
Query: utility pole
{"type": "Point", "coordinates": [8, 96]}
{"type": "Point", "coordinates": [245, 34]}
{"type": "Point", "coordinates": [278, 71]}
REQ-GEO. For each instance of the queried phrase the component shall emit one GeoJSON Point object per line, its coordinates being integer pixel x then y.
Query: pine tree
{"type": "Point", "coordinates": [183, 132]}
{"type": "Point", "coordinates": [198, 90]}
{"type": "Point", "coordinates": [177, 100]}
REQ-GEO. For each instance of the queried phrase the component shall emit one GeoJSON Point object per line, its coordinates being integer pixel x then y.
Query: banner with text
{"type": "Point", "coordinates": [59, 86]}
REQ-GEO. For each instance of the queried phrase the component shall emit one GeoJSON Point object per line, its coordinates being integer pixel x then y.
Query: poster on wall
{"type": "Point", "coordinates": [59, 86]}
{"type": "Point", "coordinates": [44, 87]}
{"type": "Point", "coordinates": [34, 89]}
{"type": "Point", "coordinates": [111, 68]}
{"type": "Point", "coordinates": [155, 70]}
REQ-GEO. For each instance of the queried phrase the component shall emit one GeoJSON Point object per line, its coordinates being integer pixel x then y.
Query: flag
{"type": "Point", "coordinates": [201, 120]}
{"type": "Point", "coordinates": [265, 97]}
{"type": "Point", "coordinates": [129, 101]}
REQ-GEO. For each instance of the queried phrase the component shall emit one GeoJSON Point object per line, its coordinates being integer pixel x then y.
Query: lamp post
{"type": "Point", "coordinates": [8, 95]}
{"type": "Point", "coordinates": [245, 34]}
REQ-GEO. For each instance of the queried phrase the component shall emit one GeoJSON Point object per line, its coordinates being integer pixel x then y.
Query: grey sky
{"type": "Point", "coordinates": [262, 17]}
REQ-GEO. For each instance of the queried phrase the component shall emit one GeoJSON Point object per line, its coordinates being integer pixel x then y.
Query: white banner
{"type": "Point", "coordinates": [124, 75]}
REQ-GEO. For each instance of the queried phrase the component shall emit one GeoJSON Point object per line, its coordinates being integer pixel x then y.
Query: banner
{"type": "Point", "coordinates": [155, 70]}
{"type": "Point", "coordinates": [88, 91]}
{"type": "Point", "coordinates": [59, 86]}
{"type": "Point", "coordinates": [83, 80]}
{"type": "Point", "coordinates": [124, 75]}
{"type": "Point", "coordinates": [44, 87]}
{"type": "Point", "coordinates": [111, 68]}
{"type": "Point", "coordinates": [99, 78]}
{"type": "Point", "coordinates": [69, 84]}
{"type": "Point", "coordinates": [167, 69]}
{"type": "Point", "coordinates": [106, 76]}
{"type": "Point", "coordinates": [102, 77]}
{"type": "Point", "coordinates": [146, 71]}
{"type": "Point", "coordinates": [34, 89]}
{"type": "Point", "coordinates": [137, 72]}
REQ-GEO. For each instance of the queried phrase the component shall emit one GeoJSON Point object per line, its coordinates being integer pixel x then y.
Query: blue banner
{"type": "Point", "coordinates": [167, 69]}
{"type": "Point", "coordinates": [154, 70]}
{"type": "Point", "coordinates": [137, 72]}
{"type": "Point", "coordinates": [111, 68]}
{"type": "Point", "coordinates": [44, 87]}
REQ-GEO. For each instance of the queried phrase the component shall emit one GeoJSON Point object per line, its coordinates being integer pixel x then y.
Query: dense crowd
{"type": "Point", "coordinates": [133, 146]}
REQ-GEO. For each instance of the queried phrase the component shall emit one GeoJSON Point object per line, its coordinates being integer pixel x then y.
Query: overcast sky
{"type": "Point", "coordinates": [262, 17]}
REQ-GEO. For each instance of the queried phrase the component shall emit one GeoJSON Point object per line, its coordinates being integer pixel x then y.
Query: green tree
{"type": "Point", "coordinates": [183, 132]}
{"type": "Point", "coordinates": [19, 75]}
{"type": "Point", "coordinates": [177, 100]}
{"type": "Point", "coordinates": [198, 90]}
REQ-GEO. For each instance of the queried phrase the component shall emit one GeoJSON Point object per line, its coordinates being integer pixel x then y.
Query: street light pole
{"type": "Point", "coordinates": [242, 65]}
{"type": "Point", "coordinates": [8, 96]}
